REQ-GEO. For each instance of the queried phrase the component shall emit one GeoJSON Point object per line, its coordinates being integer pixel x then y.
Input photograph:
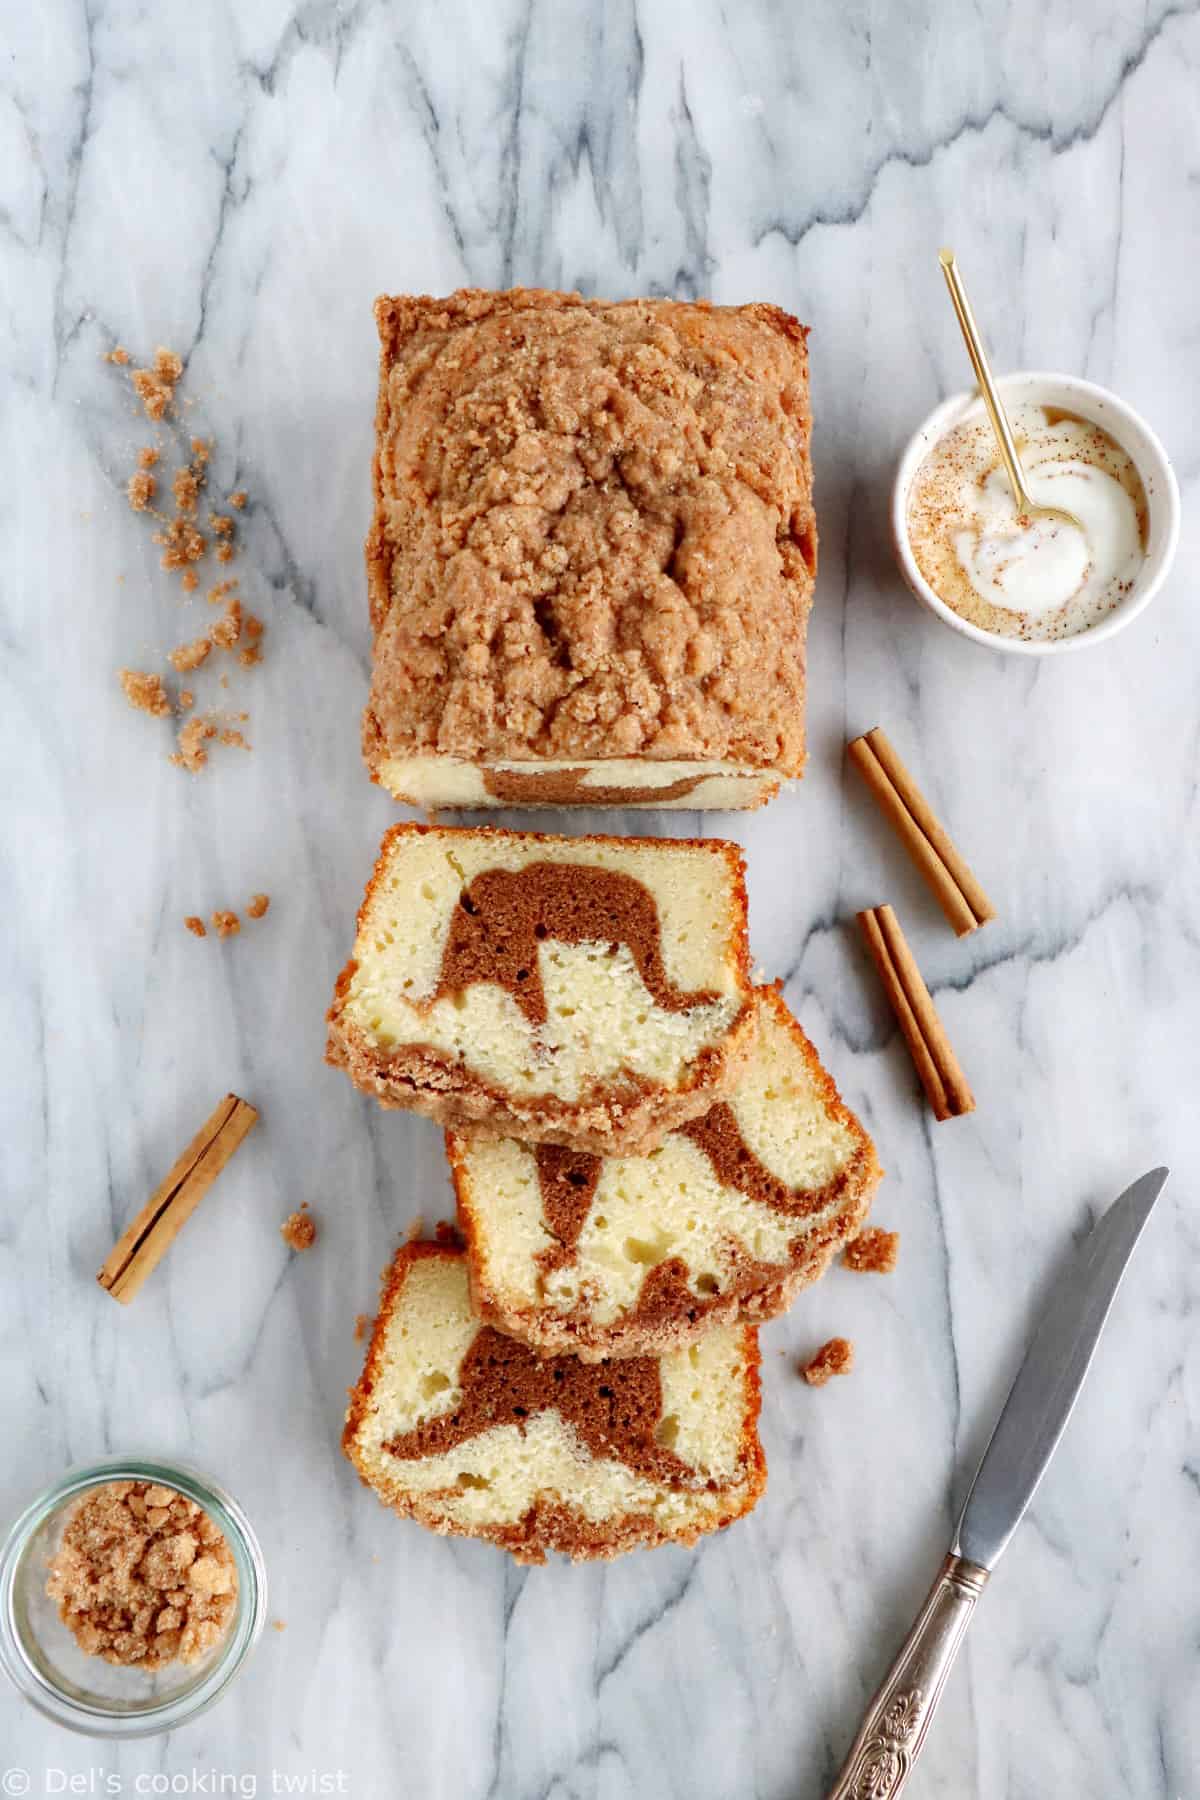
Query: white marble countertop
{"type": "Point", "coordinates": [238, 182]}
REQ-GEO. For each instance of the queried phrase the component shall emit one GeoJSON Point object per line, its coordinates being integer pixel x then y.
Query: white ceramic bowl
{"type": "Point", "coordinates": [1135, 438]}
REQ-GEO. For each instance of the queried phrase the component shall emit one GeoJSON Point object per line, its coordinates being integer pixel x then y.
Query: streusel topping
{"type": "Point", "coordinates": [594, 532]}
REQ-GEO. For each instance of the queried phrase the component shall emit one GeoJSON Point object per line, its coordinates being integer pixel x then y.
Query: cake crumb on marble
{"type": "Point", "coordinates": [834, 1358]}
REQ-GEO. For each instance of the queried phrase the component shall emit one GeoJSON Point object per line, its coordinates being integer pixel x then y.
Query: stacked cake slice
{"type": "Point", "coordinates": [648, 1158]}
{"type": "Point", "coordinates": [470, 1432]}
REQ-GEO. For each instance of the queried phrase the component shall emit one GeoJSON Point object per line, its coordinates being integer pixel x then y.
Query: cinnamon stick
{"type": "Point", "coordinates": [143, 1243]}
{"type": "Point", "coordinates": [946, 1087]}
{"type": "Point", "coordinates": [926, 839]}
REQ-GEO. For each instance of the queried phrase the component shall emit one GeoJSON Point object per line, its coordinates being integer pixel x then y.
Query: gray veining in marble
{"type": "Point", "coordinates": [238, 182]}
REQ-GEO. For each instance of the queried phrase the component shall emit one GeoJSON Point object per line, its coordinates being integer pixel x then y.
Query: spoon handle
{"type": "Point", "coordinates": [987, 385]}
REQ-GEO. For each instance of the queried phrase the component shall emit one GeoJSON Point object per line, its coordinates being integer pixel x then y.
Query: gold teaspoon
{"type": "Point", "coordinates": [1027, 507]}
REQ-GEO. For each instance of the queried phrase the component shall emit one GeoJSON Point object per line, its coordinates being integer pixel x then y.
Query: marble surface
{"type": "Point", "coordinates": [238, 182]}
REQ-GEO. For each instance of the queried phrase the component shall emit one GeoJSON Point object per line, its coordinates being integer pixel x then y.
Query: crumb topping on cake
{"type": "Point", "coordinates": [594, 532]}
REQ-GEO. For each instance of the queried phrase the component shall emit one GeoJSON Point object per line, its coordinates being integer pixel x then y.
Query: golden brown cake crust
{"type": "Point", "coordinates": [632, 1118]}
{"type": "Point", "coordinates": [550, 1525]}
{"type": "Point", "coordinates": [669, 1314]}
{"type": "Point", "coordinates": [593, 531]}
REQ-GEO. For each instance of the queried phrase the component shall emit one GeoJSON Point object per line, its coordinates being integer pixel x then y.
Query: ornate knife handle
{"type": "Point", "coordinates": [899, 1716]}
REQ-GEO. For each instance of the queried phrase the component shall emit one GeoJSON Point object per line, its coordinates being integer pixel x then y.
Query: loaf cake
{"type": "Point", "coordinates": [592, 554]}
{"type": "Point", "coordinates": [591, 991]}
{"type": "Point", "coordinates": [731, 1216]}
{"type": "Point", "coordinates": [471, 1433]}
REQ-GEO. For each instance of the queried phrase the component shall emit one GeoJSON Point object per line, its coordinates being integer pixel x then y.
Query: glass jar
{"type": "Point", "coordinates": [40, 1655]}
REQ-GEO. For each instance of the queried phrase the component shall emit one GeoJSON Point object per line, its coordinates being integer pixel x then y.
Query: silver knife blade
{"type": "Point", "coordinates": [1048, 1382]}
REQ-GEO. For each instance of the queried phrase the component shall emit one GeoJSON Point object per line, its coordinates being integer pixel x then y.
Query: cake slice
{"type": "Point", "coordinates": [590, 991]}
{"type": "Point", "coordinates": [730, 1217]}
{"type": "Point", "coordinates": [592, 554]}
{"type": "Point", "coordinates": [467, 1431]}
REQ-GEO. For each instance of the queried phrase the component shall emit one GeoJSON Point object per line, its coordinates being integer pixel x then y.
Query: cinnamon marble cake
{"type": "Point", "coordinates": [469, 1432]}
{"type": "Point", "coordinates": [729, 1217]}
{"type": "Point", "coordinates": [592, 554]}
{"type": "Point", "coordinates": [592, 991]}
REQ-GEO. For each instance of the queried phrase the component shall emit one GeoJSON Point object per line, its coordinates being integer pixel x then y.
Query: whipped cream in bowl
{"type": "Point", "coordinates": [1036, 585]}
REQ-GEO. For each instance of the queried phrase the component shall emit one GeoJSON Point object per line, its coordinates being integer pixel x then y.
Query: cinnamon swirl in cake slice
{"type": "Point", "coordinates": [470, 1433]}
{"type": "Point", "coordinates": [591, 991]}
{"type": "Point", "coordinates": [728, 1218]}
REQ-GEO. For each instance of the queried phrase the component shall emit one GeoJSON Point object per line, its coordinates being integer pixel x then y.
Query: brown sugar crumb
{"type": "Point", "coordinates": [258, 905]}
{"type": "Point", "coordinates": [153, 394]}
{"type": "Point", "coordinates": [226, 551]}
{"type": "Point", "coordinates": [238, 499]}
{"type": "Point", "coordinates": [220, 524]}
{"type": "Point", "coordinates": [147, 457]}
{"type": "Point", "coordinates": [142, 1576]}
{"type": "Point", "coordinates": [119, 355]}
{"type": "Point", "coordinates": [278, 1624]}
{"type": "Point", "coordinates": [250, 656]}
{"type": "Point", "coordinates": [252, 627]}
{"type": "Point", "coordinates": [155, 387]}
{"type": "Point", "coordinates": [362, 1325]}
{"type": "Point", "coordinates": [186, 657]}
{"type": "Point", "coordinates": [189, 581]}
{"type": "Point", "coordinates": [834, 1358]}
{"type": "Point", "coordinates": [186, 488]}
{"type": "Point", "coordinates": [191, 754]}
{"type": "Point", "coordinates": [182, 543]}
{"type": "Point", "coordinates": [201, 450]}
{"type": "Point", "coordinates": [195, 925]}
{"type": "Point", "coordinates": [299, 1230]}
{"type": "Point", "coordinates": [220, 589]}
{"type": "Point", "coordinates": [873, 1252]}
{"type": "Point", "coordinates": [226, 924]}
{"type": "Point", "coordinates": [141, 489]}
{"type": "Point", "coordinates": [145, 692]}
{"type": "Point", "coordinates": [228, 628]}
{"type": "Point", "coordinates": [186, 699]}
{"type": "Point", "coordinates": [234, 740]}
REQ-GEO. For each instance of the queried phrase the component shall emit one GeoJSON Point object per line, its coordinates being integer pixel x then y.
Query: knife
{"type": "Point", "coordinates": [1026, 1436]}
